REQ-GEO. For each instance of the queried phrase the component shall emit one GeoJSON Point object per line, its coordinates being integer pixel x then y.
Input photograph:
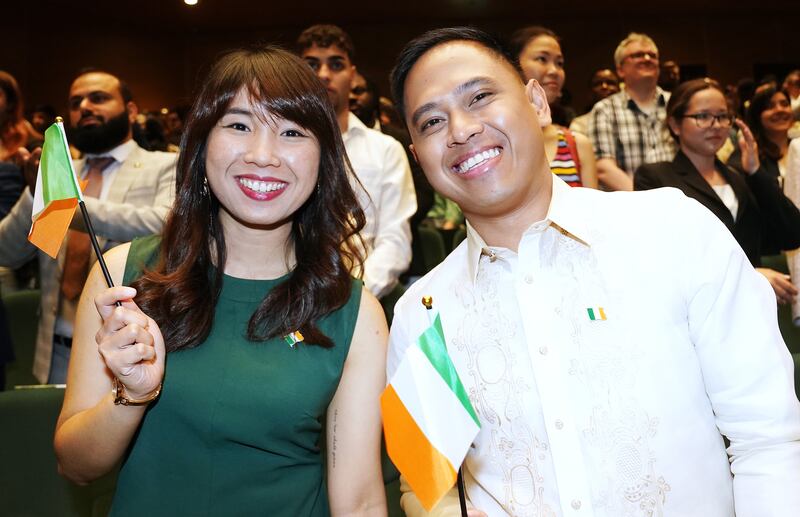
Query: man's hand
{"type": "Point", "coordinates": [782, 284]}
{"type": "Point", "coordinates": [28, 163]}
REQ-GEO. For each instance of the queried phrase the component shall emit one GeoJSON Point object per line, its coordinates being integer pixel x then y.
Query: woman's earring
{"type": "Point", "coordinates": [205, 187]}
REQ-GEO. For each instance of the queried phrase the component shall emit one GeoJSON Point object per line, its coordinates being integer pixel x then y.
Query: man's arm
{"type": "Point", "coordinates": [746, 367]}
{"type": "Point", "coordinates": [122, 222]}
{"type": "Point", "coordinates": [15, 250]}
{"type": "Point", "coordinates": [604, 140]}
{"type": "Point", "coordinates": [391, 252]}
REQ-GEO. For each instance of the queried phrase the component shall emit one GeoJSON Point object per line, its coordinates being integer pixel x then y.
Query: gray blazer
{"type": "Point", "coordinates": [138, 201]}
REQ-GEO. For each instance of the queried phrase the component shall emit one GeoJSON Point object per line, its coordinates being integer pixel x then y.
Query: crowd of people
{"type": "Point", "coordinates": [253, 235]}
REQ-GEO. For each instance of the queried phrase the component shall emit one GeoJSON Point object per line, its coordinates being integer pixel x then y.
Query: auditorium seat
{"type": "Point", "coordinates": [22, 311]}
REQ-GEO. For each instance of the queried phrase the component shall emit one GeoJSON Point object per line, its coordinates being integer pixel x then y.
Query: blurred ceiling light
{"type": "Point", "coordinates": [190, 2]}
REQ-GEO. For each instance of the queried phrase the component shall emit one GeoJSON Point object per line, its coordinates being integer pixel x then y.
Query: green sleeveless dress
{"type": "Point", "coordinates": [237, 426]}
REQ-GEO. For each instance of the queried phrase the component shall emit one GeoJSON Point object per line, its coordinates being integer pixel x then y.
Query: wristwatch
{"type": "Point", "coordinates": [118, 391]}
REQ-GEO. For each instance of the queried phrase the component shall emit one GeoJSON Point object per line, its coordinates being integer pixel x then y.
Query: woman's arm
{"type": "Point", "coordinates": [355, 483]}
{"type": "Point", "coordinates": [92, 432]}
{"type": "Point", "coordinates": [586, 156]}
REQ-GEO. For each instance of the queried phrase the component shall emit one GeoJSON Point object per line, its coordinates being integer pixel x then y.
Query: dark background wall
{"type": "Point", "coordinates": [162, 46]}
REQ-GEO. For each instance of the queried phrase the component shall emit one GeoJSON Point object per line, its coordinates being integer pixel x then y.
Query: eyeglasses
{"type": "Point", "coordinates": [706, 120]}
{"type": "Point", "coordinates": [641, 55]}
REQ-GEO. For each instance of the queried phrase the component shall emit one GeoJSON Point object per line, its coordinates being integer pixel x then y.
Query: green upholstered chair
{"type": "Point", "coordinates": [29, 479]}
{"type": "Point", "coordinates": [796, 358]}
{"type": "Point", "coordinates": [22, 311]}
{"type": "Point", "coordinates": [432, 244]}
{"type": "Point", "coordinates": [388, 301]}
{"type": "Point", "coordinates": [459, 235]}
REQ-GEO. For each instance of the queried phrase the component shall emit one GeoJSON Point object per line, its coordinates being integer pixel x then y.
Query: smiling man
{"type": "Point", "coordinates": [603, 371]}
{"type": "Point", "coordinates": [128, 193]}
{"type": "Point", "coordinates": [627, 128]}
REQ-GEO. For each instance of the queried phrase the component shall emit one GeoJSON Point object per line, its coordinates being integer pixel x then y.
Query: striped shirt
{"type": "Point", "coordinates": [620, 130]}
{"type": "Point", "coordinates": [566, 164]}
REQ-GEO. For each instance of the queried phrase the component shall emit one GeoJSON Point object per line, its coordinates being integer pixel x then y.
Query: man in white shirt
{"type": "Point", "coordinates": [378, 161]}
{"type": "Point", "coordinates": [128, 194]}
{"type": "Point", "coordinates": [607, 341]}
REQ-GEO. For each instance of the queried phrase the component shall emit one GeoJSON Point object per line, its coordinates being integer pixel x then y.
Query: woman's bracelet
{"type": "Point", "coordinates": [118, 391]}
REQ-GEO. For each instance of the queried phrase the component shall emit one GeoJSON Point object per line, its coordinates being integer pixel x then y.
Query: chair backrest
{"type": "Point", "coordinates": [29, 478]}
{"type": "Point", "coordinates": [22, 313]}
{"type": "Point", "coordinates": [432, 243]}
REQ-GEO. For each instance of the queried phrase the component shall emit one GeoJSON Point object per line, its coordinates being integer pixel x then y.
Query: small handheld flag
{"type": "Point", "coordinates": [57, 192]}
{"type": "Point", "coordinates": [428, 420]}
{"type": "Point", "coordinates": [56, 196]}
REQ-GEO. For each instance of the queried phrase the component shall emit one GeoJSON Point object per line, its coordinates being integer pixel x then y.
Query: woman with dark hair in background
{"type": "Point", "coordinates": [249, 296]}
{"type": "Point", "coordinates": [15, 131]}
{"type": "Point", "coordinates": [769, 116]}
{"type": "Point", "coordinates": [571, 155]}
{"type": "Point", "coordinates": [752, 206]}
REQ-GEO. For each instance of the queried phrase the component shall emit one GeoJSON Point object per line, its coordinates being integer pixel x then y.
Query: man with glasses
{"type": "Point", "coordinates": [627, 128]}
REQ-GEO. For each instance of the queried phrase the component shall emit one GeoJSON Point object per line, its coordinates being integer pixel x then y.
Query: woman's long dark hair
{"type": "Point", "coordinates": [180, 294]}
{"type": "Point", "coordinates": [758, 105]}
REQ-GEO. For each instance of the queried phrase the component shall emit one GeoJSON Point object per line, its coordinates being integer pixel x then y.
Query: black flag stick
{"type": "Point", "coordinates": [462, 497]}
{"type": "Point", "coordinates": [93, 237]}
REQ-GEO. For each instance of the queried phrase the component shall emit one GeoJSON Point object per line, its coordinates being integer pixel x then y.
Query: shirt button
{"type": "Point", "coordinates": [528, 279]}
{"type": "Point", "coordinates": [576, 504]}
{"type": "Point", "coordinates": [543, 350]}
{"type": "Point", "coordinates": [559, 425]}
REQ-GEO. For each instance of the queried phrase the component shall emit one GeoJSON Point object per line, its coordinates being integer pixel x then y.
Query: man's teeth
{"type": "Point", "coordinates": [476, 160]}
{"type": "Point", "coordinates": [262, 186]}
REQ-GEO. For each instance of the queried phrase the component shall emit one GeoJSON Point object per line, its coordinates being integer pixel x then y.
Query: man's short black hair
{"type": "Point", "coordinates": [325, 36]}
{"type": "Point", "coordinates": [420, 45]}
{"type": "Point", "coordinates": [124, 89]}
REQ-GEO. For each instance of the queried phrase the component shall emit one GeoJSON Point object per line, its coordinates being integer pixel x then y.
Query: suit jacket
{"type": "Point", "coordinates": [138, 201]}
{"type": "Point", "coordinates": [765, 220]}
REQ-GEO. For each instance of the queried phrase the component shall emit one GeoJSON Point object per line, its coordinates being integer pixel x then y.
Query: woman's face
{"type": "Point", "coordinates": [695, 140]}
{"type": "Point", "coordinates": [261, 171]}
{"type": "Point", "coordinates": [541, 59]}
{"type": "Point", "coordinates": [777, 118]}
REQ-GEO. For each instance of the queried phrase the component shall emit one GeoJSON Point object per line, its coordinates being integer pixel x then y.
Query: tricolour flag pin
{"type": "Point", "coordinates": [596, 313]}
{"type": "Point", "coordinates": [293, 338]}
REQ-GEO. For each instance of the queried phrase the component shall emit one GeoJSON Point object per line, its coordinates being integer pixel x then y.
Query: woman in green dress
{"type": "Point", "coordinates": [243, 335]}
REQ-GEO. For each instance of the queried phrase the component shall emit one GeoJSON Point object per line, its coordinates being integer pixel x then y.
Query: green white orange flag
{"type": "Point", "coordinates": [57, 193]}
{"type": "Point", "coordinates": [428, 420]}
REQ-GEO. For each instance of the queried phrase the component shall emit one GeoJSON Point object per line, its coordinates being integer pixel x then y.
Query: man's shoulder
{"type": "Point", "coordinates": [158, 158]}
{"type": "Point", "coordinates": [439, 280]}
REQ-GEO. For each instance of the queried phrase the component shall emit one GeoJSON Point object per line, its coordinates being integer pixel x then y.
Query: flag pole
{"type": "Point", "coordinates": [427, 301]}
{"type": "Point", "coordinates": [93, 237]}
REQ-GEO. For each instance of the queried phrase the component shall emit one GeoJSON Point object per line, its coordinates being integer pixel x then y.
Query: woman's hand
{"type": "Point", "coordinates": [749, 148]}
{"type": "Point", "coordinates": [782, 284]}
{"type": "Point", "coordinates": [130, 342]}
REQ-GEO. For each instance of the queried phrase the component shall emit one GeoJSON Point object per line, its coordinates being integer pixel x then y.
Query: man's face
{"type": "Point", "coordinates": [477, 129]}
{"type": "Point", "coordinates": [792, 85]}
{"type": "Point", "coordinates": [362, 102]}
{"type": "Point", "coordinates": [99, 118]}
{"type": "Point", "coordinates": [639, 63]}
{"type": "Point", "coordinates": [333, 67]}
{"type": "Point", "coordinates": [604, 83]}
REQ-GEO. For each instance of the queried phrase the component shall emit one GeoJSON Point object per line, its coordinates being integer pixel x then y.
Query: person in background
{"type": "Point", "coordinates": [173, 125]}
{"type": "Point", "coordinates": [670, 75]}
{"type": "Point", "coordinates": [769, 116]}
{"type": "Point", "coordinates": [247, 294]}
{"type": "Point", "coordinates": [540, 57]}
{"type": "Point", "coordinates": [128, 193]}
{"type": "Point", "coordinates": [752, 205]}
{"type": "Point", "coordinates": [628, 128]}
{"type": "Point", "coordinates": [364, 97]}
{"type": "Point", "coordinates": [15, 131]}
{"type": "Point", "coordinates": [604, 83]}
{"type": "Point", "coordinates": [378, 160]}
{"type": "Point", "coordinates": [42, 117]}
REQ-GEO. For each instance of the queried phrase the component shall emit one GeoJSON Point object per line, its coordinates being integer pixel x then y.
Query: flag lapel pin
{"type": "Point", "coordinates": [596, 313]}
{"type": "Point", "coordinates": [293, 338]}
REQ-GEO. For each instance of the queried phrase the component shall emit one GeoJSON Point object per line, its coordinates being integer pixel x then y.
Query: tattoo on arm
{"type": "Point", "coordinates": [333, 447]}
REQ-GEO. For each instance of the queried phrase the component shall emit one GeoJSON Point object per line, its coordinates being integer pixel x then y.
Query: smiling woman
{"type": "Point", "coordinates": [249, 292]}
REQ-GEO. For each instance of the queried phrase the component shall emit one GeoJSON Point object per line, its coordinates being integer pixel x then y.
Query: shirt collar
{"type": "Point", "coordinates": [354, 126]}
{"type": "Point", "coordinates": [565, 214]}
{"type": "Point", "coordinates": [120, 153]}
{"type": "Point", "coordinates": [661, 98]}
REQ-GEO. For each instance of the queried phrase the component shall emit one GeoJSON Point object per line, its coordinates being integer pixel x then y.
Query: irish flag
{"type": "Point", "coordinates": [428, 420]}
{"type": "Point", "coordinates": [57, 193]}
